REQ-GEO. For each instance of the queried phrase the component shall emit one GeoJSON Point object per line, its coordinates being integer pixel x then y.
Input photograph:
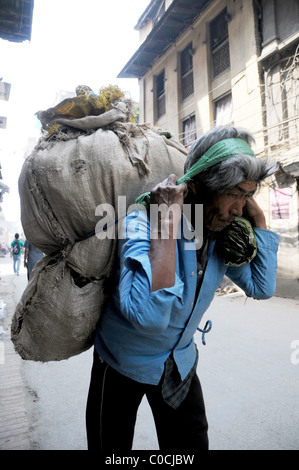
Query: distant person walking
{"type": "Point", "coordinates": [31, 257]}
{"type": "Point", "coordinates": [15, 252]}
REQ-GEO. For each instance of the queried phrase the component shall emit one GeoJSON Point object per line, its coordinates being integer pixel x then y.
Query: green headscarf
{"type": "Point", "coordinates": [219, 152]}
{"type": "Point", "coordinates": [236, 244]}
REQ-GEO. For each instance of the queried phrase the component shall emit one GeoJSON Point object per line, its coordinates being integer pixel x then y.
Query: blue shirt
{"type": "Point", "coordinates": [139, 328]}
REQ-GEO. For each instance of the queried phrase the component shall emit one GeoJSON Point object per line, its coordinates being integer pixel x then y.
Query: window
{"type": "Point", "coordinates": [160, 90]}
{"type": "Point", "coordinates": [219, 44]}
{"type": "Point", "coordinates": [223, 110]}
{"type": "Point", "coordinates": [187, 86]}
{"type": "Point", "coordinates": [158, 13]}
{"type": "Point", "coordinates": [189, 130]}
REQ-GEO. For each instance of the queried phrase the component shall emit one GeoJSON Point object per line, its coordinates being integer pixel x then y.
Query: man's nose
{"type": "Point", "coordinates": [237, 208]}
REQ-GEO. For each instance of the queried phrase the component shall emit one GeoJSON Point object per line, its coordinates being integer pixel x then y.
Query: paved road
{"type": "Point", "coordinates": [248, 369]}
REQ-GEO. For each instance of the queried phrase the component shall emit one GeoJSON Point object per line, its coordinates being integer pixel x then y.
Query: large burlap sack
{"type": "Point", "coordinates": [62, 184]}
{"type": "Point", "coordinates": [57, 315]}
{"type": "Point", "coordinates": [92, 258]}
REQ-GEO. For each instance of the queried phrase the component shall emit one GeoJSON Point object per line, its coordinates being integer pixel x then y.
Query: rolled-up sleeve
{"type": "Point", "coordinates": [258, 278]}
{"type": "Point", "coordinates": [145, 310]}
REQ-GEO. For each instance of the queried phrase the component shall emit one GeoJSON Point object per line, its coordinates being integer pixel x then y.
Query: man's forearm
{"type": "Point", "coordinates": [162, 253]}
{"type": "Point", "coordinates": [169, 198]}
{"type": "Point", "coordinates": [162, 258]}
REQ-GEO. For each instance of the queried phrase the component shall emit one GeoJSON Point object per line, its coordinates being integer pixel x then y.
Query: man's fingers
{"type": "Point", "coordinates": [169, 192]}
{"type": "Point", "coordinates": [184, 188]}
{"type": "Point", "coordinates": [172, 178]}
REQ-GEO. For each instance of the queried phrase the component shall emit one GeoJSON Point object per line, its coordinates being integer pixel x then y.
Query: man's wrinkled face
{"type": "Point", "coordinates": [222, 209]}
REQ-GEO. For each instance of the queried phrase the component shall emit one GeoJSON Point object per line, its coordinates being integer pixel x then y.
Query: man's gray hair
{"type": "Point", "coordinates": [231, 172]}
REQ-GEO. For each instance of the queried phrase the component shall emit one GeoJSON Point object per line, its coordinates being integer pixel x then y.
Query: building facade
{"type": "Point", "coordinates": [279, 68]}
{"type": "Point", "coordinates": [212, 62]}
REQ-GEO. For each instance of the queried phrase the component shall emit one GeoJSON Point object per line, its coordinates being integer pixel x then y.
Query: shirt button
{"type": "Point", "coordinates": [192, 304]}
{"type": "Point", "coordinates": [192, 274]}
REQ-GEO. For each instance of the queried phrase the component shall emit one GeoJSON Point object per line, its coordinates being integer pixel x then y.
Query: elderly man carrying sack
{"type": "Point", "coordinates": [164, 285]}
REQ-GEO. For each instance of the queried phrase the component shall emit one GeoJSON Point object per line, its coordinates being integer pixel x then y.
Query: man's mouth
{"type": "Point", "coordinates": [226, 221]}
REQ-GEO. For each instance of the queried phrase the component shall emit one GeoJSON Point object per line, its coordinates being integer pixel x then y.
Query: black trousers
{"type": "Point", "coordinates": [111, 411]}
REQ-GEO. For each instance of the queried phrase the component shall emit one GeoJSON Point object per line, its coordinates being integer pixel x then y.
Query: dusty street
{"type": "Point", "coordinates": [248, 369]}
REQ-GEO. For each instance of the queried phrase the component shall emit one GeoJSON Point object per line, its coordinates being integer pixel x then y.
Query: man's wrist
{"type": "Point", "coordinates": [259, 222]}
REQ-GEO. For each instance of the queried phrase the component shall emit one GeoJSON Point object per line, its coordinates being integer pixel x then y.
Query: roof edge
{"type": "Point", "coordinates": [140, 70]}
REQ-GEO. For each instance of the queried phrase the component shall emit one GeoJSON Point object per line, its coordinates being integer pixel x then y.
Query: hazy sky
{"type": "Point", "coordinates": [72, 43]}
